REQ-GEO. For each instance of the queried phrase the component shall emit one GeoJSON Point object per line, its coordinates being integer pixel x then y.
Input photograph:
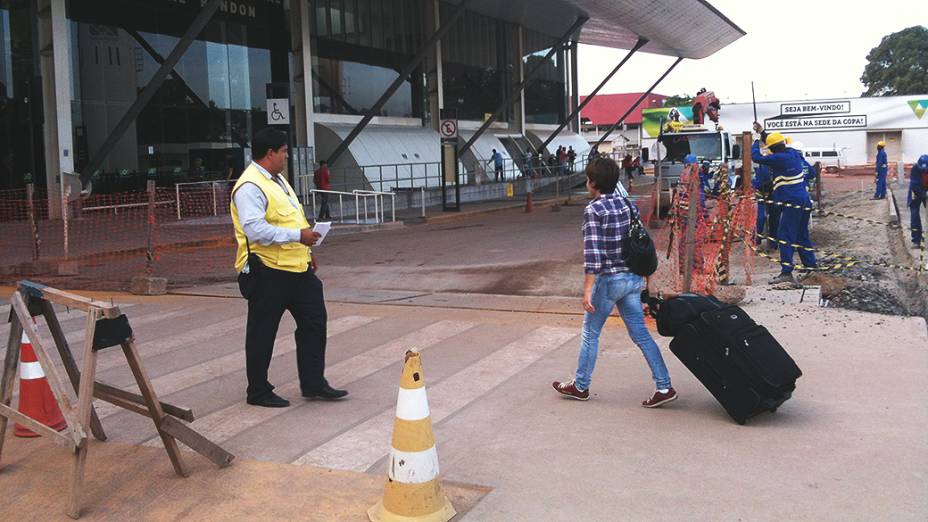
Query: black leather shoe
{"type": "Point", "coordinates": [326, 392]}
{"type": "Point", "coordinates": [269, 400]}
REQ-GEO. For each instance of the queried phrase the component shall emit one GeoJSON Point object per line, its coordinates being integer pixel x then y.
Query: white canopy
{"type": "Point", "coordinates": [686, 28]}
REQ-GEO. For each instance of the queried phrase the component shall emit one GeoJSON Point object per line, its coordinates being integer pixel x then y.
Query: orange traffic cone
{"type": "Point", "coordinates": [413, 492]}
{"type": "Point", "coordinates": [35, 395]}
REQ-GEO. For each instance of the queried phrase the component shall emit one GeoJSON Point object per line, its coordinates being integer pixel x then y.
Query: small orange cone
{"type": "Point", "coordinates": [35, 395]}
{"type": "Point", "coordinates": [413, 492]}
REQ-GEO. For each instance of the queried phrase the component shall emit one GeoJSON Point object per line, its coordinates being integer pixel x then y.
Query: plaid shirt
{"type": "Point", "coordinates": [606, 223]}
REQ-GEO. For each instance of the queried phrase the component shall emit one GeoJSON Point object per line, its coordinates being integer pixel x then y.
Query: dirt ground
{"type": "Point", "coordinates": [865, 286]}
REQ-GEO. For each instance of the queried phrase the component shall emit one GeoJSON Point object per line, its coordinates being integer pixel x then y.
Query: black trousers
{"type": "Point", "coordinates": [324, 207]}
{"type": "Point", "coordinates": [301, 295]}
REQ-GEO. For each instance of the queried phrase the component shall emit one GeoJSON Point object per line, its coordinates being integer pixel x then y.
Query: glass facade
{"type": "Point", "coordinates": [200, 122]}
{"type": "Point", "coordinates": [359, 48]}
{"type": "Point", "coordinates": [20, 97]}
{"type": "Point", "coordinates": [477, 73]}
{"type": "Point", "coordinates": [545, 98]}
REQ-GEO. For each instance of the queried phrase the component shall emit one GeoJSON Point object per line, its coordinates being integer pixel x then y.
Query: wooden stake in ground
{"type": "Point", "coordinates": [690, 238]}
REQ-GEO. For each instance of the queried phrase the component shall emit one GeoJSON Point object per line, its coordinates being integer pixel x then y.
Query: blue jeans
{"type": "Point", "coordinates": [623, 291]}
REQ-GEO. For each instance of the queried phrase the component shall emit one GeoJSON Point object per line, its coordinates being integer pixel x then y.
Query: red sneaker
{"type": "Point", "coordinates": [569, 389]}
{"type": "Point", "coordinates": [660, 398]}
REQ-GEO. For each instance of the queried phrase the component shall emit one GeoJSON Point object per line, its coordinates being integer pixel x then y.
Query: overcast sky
{"type": "Point", "coordinates": [799, 50]}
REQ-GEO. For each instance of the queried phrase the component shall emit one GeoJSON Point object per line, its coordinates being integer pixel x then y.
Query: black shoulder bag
{"type": "Point", "coordinates": [638, 248]}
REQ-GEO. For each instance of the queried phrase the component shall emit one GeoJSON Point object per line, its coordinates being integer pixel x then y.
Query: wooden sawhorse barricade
{"type": "Point", "coordinates": [106, 327]}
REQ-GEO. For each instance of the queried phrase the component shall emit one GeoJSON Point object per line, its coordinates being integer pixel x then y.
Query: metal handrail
{"type": "Point", "coordinates": [379, 196]}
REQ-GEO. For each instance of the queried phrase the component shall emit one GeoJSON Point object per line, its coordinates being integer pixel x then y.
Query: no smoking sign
{"type": "Point", "coordinates": [448, 129]}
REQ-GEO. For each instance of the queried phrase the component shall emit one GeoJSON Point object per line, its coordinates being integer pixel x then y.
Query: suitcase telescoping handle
{"type": "Point", "coordinates": [655, 303]}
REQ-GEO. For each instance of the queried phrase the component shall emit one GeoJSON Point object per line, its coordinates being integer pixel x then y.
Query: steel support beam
{"type": "Point", "coordinates": [526, 81]}
{"type": "Point", "coordinates": [199, 23]}
{"type": "Point", "coordinates": [615, 125]}
{"type": "Point", "coordinates": [404, 74]}
{"type": "Point", "coordinates": [567, 121]}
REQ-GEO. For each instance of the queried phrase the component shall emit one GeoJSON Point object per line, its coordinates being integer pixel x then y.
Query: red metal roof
{"type": "Point", "coordinates": [605, 109]}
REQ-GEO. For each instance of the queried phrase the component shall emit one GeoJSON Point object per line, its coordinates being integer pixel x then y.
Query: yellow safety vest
{"type": "Point", "coordinates": [290, 257]}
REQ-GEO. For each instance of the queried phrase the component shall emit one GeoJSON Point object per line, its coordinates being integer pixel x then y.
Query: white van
{"type": "Point", "coordinates": [831, 158]}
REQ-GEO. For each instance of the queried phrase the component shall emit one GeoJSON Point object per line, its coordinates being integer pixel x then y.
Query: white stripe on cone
{"type": "Point", "coordinates": [412, 405]}
{"type": "Point", "coordinates": [31, 370]}
{"type": "Point", "coordinates": [415, 467]}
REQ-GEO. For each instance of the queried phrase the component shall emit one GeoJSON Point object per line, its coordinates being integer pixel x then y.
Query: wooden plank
{"type": "Point", "coordinates": [181, 412]}
{"type": "Point", "coordinates": [67, 358]}
{"type": "Point", "coordinates": [51, 374]}
{"type": "Point", "coordinates": [36, 426]}
{"type": "Point", "coordinates": [40, 291]}
{"type": "Point", "coordinates": [77, 476]}
{"type": "Point", "coordinates": [84, 403]}
{"type": "Point", "coordinates": [10, 364]}
{"type": "Point", "coordinates": [197, 442]}
{"type": "Point", "coordinates": [154, 406]}
{"type": "Point", "coordinates": [123, 403]}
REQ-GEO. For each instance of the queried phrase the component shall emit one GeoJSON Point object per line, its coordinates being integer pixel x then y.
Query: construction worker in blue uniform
{"type": "Point", "coordinates": [705, 178]}
{"type": "Point", "coordinates": [766, 213]}
{"type": "Point", "coordinates": [918, 181]}
{"type": "Point", "coordinates": [789, 189]}
{"type": "Point", "coordinates": [882, 168]}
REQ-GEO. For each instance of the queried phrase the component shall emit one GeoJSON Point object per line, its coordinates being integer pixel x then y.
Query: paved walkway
{"type": "Point", "coordinates": [850, 445]}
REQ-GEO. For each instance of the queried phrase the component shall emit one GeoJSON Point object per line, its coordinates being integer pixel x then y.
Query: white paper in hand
{"type": "Point", "coordinates": [322, 227]}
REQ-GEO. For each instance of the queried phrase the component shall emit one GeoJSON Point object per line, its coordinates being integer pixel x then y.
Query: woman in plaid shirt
{"type": "Point", "coordinates": [609, 283]}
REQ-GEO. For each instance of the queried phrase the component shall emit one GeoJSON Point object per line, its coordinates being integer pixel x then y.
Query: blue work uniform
{"type": "Point", "coordinates": [915, 199]}
{"type": "Point", "coordinates": [789, 186]}
{"type": "Point", "coordinates": [882, 168]}
{"type": "Point", "coordinates": [766, 213]}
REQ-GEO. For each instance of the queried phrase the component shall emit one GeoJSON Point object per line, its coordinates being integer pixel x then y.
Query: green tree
{"type": "Point", "coordinates": [899, 65]}
{"type": "Point", "coordinates": [678, 100]}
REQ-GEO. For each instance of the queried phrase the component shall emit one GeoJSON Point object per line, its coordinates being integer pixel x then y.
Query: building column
{"type": "Point", "coordinates": [433, 68]}
{"type": "Point", "coordinates": [574, 87]}
{"type": "Point", "coordinates": [517, 123]}
{"type": "Point", "coordinates": [302, 84]}
{"type": "Point", "coordinates": [54, 49]}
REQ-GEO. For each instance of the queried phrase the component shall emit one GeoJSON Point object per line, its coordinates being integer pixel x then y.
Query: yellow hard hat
{"type": "Point", "coordinates": [881, 143]}
{"type": "Point", "coordinates": [774, 138]}
{"type": "Point", "coordinates": [789, 140]}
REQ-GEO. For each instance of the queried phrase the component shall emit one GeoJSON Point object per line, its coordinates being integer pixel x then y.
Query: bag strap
{"type": "Point", "coordinates": [633, 210]}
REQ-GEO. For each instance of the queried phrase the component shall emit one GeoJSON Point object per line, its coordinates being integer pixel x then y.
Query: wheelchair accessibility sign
{"type": "Point", "coordinates": [278, 111]}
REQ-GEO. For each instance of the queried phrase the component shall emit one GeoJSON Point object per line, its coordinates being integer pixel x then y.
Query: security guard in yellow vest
{"type": "Point", "coordinates": [277, 273]}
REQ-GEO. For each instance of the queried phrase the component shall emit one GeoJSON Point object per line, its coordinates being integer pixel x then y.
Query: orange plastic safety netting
{"type": "Point", "coordinates": [180, 232]}
{"type": "Point", "coordinates": [718, 242]}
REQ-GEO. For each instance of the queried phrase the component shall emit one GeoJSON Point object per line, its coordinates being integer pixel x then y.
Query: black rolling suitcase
{"type": "Point", "coordinates": [736, 359]}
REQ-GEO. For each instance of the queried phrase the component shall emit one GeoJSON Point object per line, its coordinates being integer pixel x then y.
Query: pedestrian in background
{"type": "Point", "coordinates": [321, 181]}
{"type": "Point", "coordinates": [627, 167]}
{"type": "Point", "coordinates": [609, 284]}
{"type": "Point", "coordinates": [571, 158]}
{"type": "Point", "coordinates": [562, 160]}
{"type": "Point", "coordinates": [277, 273]}
{"type": "Point", "coordinates": [497, 160]}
